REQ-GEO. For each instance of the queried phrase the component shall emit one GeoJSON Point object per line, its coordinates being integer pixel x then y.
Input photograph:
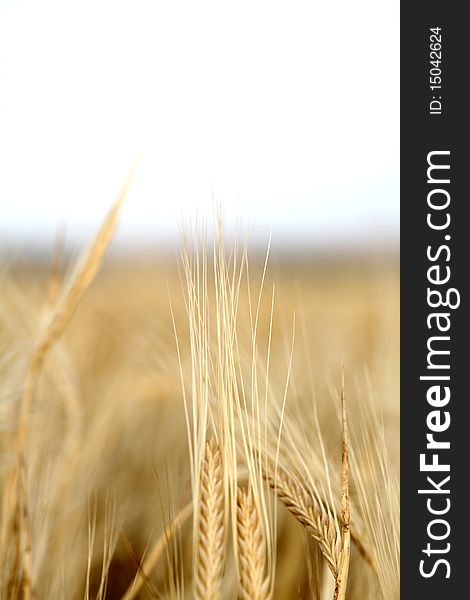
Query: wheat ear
{"type": "Point", "coordinates": [254, 584]}
{"type": "Point", "coordinates": [210, 554]}
{"type": "Point", "coordinates": [311, 512]}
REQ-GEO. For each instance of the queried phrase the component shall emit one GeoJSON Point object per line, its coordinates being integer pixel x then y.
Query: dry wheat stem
{"type": "Point", "coordinates": [153, 557]}
{"type": "Point", "coordinates": [210, 552]}
{"type": "Point", "coordinates": [342, 578]}
{"type": "Point", "coordinates": [254, 582]}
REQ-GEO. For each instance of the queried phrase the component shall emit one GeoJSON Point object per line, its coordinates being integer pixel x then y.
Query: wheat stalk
{"type": "Point", "coordinates": [210, 554]}
{"type": "Point", "coordinates": [254, 584]}
{"type": "Point", "coordinates": [154, 555]}
{"type": "Point", "coordinates": [342, 577]}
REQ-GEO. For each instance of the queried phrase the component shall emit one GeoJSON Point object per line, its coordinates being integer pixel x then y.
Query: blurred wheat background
{"type": "Point", "coordinates": [129, 401]}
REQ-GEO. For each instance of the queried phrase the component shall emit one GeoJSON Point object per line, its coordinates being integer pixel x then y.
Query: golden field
{"type": "Point", "coordinates": [171, 426]}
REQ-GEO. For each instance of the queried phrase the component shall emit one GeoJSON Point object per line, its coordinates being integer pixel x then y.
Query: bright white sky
{"type": "Point", "coordinates": [288, 111]}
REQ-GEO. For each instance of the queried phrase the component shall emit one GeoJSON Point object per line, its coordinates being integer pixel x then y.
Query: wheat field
{"type": "Point", "coordinates": [217, 423]}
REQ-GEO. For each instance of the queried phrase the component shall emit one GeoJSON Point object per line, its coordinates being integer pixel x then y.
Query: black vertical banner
{"type": "Point", "coordinates": [435, 268]}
